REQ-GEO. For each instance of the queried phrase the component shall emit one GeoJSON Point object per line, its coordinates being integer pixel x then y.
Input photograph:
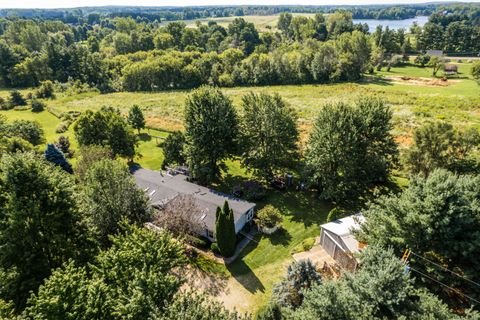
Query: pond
{"type": "Point", "coordinates": [392, 24]}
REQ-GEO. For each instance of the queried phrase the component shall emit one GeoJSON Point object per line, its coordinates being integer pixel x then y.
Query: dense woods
{"type": "Point", "coordinates": [134, 54]}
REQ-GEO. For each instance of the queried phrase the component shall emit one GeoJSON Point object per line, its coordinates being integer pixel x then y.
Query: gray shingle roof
{"type": "Point", "coordinates": [162, 187]}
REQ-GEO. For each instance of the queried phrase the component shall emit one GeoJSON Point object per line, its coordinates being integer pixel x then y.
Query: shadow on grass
{"type": "Point", "coordinates": [376, 80]}
{"type": "Point", "coordinates": [245, 275]}
{"type": "Point", "coordinates": [281, 237]}
{"type": "Point", "coordinates": [144, 137]}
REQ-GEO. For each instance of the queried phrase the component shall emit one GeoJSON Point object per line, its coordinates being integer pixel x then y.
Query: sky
{"type": "Point", "coordinates": [85, 3]}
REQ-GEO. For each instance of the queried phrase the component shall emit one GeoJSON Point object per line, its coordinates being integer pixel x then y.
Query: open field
{"type": "Point", "coordinates": [262, 23]}
{"type": "Point", "coordinates": [263, 262]}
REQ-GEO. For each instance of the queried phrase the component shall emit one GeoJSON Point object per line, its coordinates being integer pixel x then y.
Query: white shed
{"type": "Point", "coordinates": [336, 237]}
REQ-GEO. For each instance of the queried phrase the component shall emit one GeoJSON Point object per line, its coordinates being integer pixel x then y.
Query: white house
{"type": "Point", "coordinates": [337, 239]}
{"type": "Point", "coordinates": [161, 188]}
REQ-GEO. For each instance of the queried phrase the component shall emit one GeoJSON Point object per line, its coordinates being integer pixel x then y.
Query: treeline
{"type": "Point", "coordinates": [451, 29]}
{"type": "Point", "coordinates": [82, 15]}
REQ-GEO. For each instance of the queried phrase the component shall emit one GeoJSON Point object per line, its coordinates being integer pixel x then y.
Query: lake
{"type": "Point", "coordinates": [392, 24]}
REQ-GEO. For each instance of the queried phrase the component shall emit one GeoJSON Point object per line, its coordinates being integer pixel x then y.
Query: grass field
{"type": "Point", "coordinates": [264, 261]}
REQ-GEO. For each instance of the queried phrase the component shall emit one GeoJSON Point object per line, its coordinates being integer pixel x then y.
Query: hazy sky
{"type": "Point", "coordinates": [84, 3]}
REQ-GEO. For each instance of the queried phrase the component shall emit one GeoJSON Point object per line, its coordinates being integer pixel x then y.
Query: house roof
{"type": "Point", "coordinates": [343, 229]}
{"type": "Point", "coordinates": [161, 188]}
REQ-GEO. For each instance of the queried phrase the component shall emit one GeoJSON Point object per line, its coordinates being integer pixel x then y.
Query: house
{"type": "Point", "coordinates": [450, 69]}
{"type": "Point", "coordinates": [435, 53]}
{"type": "Point", "coordinates": [337, 238]}
{"type": "Point", "coordinates": [162, 187]}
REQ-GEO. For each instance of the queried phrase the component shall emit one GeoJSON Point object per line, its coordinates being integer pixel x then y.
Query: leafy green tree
{"type": "Point", "coordinates": [107, 128]}
{"type": "Point", "coordinates": [433, 212]}
{"type": "Point", "coordinates": [173, 149]}
{"type": "Point", "coordinates": [55, 156]}
{"type": "Point", "coordinates": [436, 64]}
{"type": "Point", "coordinates": [63, 144]}
{"type": "Point", "coordinates": [269, 135]}
{"type": "Point", "coordinates": [30, 131]}
{"type": "Point", "coordinates": [111, 195]}
{"type": "Point", "coordinates": [136, 118]}
{"type": "Point", "coordinates": [132, 279]}
{"type": "Point", "coordinates": [439, 145]}
{"type": "Point", "coordinates": [88, 156]}
{"type": "Point", "coordinates": [40, 224]}
{"type": "Point", "coordinates": [350, 148]}
{"type": "Point", "coordinates": [422, 60]}
{"type": "Point", "coordinates": [16, 99]}
{"type": "Point", "coordinates": [211, 129]}
{"type": "Point", "coordinates": [225, 231]}
{"type": "Point", "coordinates": [380, 289]}
{"type": "Point", "coordinates": [476, 70]}
{"type": "Point", "coordinates": [301, 276]}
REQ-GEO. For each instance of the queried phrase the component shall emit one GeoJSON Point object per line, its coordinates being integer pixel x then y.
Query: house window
{"type": "Point", "coordinates": [250, 214]}
{"type": "Point", "coordinates": [210, 234]}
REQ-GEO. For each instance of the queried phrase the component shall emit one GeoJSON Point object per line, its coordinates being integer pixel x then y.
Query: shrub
{"type": "Point", "coordinates": [16, 99]}
{"type": "Point", "coordinates": [305, 245]}
{"type": "Point", "coordinates": [37, 106]}
{"type": "Point", "coordinates": [62, 127]}
{"type": "Point", "coordinates": [476, 70]}
{"type": "Point", "coordinates": [271, 311]}
{"type": "Point", "coordinates": [268, 217]}
{"type": "Point", "coordinates": [46, 90]}
{"type": "Point", "coordinates": [422, 59]}
{"type": "Point", "coordinates": [215, 248]}
{"type": "Point", "coordinates": [200, 242]}
{"type": "Point", "coordinates": [3, 104]}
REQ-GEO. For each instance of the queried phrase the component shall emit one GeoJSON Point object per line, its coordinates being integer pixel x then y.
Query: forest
{"type": "Point", "coordinates": [360, 121]}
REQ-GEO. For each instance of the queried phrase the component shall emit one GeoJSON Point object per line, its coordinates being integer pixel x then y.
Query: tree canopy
{"type": "Point", "coordinates": [350, 148]}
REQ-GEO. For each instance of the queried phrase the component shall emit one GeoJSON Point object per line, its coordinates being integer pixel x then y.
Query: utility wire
{"type": "Point", "coordinates": [443, 284]}
{"type": "Point", "coordinates": [446, 269]}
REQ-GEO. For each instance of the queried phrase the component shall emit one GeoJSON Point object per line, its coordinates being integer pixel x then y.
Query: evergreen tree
{"type": "Point", "coordinates": [16, 99]}
{"type": "Point", "coordinates": [136, 118]}
{"type": "Point", "coordinates": [55, 156]}
{"type": "Point", "coordinates": [225, 230]}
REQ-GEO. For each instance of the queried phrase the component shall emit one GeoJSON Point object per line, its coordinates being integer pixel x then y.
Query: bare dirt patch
{"type": "Point", "coordinates": [429, 82]}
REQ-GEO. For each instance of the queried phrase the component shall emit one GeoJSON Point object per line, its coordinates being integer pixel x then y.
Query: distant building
{"type": "Point", "coordinates": [161, 188]}
{"type": "Point", "coordinates": [337, 239]}
{"type": "Point", "coordinates": [435, 53]}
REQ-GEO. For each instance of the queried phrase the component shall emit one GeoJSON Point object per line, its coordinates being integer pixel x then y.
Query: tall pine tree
{"type": "Point", "coordinates": [55, 156]}
{"type": "Point", "coordinates": [225, 230]}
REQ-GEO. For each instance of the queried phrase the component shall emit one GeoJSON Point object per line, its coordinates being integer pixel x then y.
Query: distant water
{"type": "Point", "coordinates": [392, 24]}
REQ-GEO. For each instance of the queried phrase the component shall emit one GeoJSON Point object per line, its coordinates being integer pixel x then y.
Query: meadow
{"type": "Point", "coordinates": [264, 261]}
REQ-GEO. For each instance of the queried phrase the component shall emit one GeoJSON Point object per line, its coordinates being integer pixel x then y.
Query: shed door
{"type": "Point", "coordinates": [328, 244]}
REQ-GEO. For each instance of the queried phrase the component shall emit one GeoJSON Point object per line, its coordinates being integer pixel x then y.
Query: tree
{"type": "Point", "coordinates": [136, 118]}
{"type": "Point", "coordinates": [132, 279]}
{"type": "Point", "coordinates": [55, 156]}
{"type": "Point", "coordinates": [225, 231]}
{"type": "Point", "coordinates": [40, 224]}
{"type": "Point", "coordinates": [174, 149]}
{"type": "Point", "coordinates": [268, 217]}
{"type": "Point", "coordinates": [380, 289]}
{"type": "Point", "coordinates": [439, 145]}
{"type": "Point", "coordinates": [422, 60]}
{"type": "Point", "coordinates": [436, 64]}
{"type": "Point", "coordinates": [63, 144]}
{"type": "Point", "coordinates": [439, 209]}
{"type": "Point", "coordinates": [30, 131]}
{"type": "Point", "coordinates": [301, 276]}
{"type": "Point", "coordinates": [269, 135]}
{"type": "Point", "coordinates": [111, 195]}
{"type": "Point", "coordinates": [350, 148]}
{"type": "Point", "coordinates": [211, 128]}
{"type": "Point", "coordinates": [46, 90]}
{"type": "Point", "coordinates": [476, 70]}
{"type": "Point", "coordinates": [89, 155]}
{"type": "Point", "coordinates": [181, 216]}
{"type": "Point", "coordinates": [107, 128]}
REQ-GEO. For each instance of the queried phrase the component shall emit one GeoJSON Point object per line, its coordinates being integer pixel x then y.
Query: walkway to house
{"type": "Point", "coordinates": [317, 255]}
